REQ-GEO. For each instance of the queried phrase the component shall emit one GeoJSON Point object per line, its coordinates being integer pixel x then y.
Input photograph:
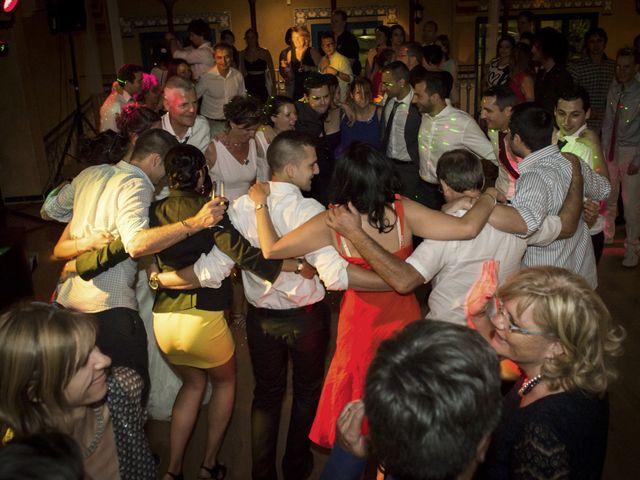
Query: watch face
{"type": "Point", "coordinates": [153, 283]}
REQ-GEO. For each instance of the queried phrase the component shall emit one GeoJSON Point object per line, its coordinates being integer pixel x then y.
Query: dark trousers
{"type": "Point", "coordinates": [429, 194]}
{"type": "Point", "coordinates": [273, 336]}
{"type": "Point", "coordinates": [122, 336]}
{"type": "Point", "coordinates": [409, 178]}
{"type": "Point", "coordinates": [598, 245]}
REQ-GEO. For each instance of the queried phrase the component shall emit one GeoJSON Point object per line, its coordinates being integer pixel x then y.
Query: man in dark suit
{"type": "Point", "coordinates": [400, 123]}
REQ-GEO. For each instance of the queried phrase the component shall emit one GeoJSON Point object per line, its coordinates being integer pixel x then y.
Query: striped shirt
{"type": "Point", "coordinates": [119, 205]}
{"type": "Point", "coordinates": [544, 181]}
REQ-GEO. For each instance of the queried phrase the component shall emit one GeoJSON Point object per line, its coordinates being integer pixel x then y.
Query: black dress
{"type": "Point", "coordinates": [299, 75]}
{"type": "Point", "coordinates": [559, 436]}
{"type": "Point", "coordinates": [256, 79]}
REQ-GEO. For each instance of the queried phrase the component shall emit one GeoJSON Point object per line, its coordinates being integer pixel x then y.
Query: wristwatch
{"type": "Point", "coordinates": [154, 284]}
{"type": "Point", "coordinates": [261, 206]}
{"type": "Point", "coordinates": [300, 266]}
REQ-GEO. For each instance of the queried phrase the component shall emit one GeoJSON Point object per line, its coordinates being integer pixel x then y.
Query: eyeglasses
{"type": "Point", "coordinates": [495, 308]}
{"type": "Point", "coordinates": [388, 84]}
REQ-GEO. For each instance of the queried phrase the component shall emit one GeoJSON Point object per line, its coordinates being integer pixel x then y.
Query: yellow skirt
{"type": "Point", "coordinates": [197, 338]}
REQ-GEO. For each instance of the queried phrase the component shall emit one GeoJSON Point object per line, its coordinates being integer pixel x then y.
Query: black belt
{"type": "Point", "coordinates": [401, 162]}
{"type": "Point", "coordinates": [287, 312]}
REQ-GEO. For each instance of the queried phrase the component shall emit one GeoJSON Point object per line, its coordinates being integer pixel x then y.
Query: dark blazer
{"type": "Point", "coordinates": [180, 205]}
{"type": "Point", "coordinates": [411, 129]}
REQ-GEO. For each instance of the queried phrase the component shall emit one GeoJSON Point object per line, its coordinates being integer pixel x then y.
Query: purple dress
{"type": "Point", "coordinates": [367, 132]}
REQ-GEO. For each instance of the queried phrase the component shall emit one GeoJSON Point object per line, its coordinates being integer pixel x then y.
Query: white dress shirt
{"type": "Point", "coordinates": [288, 210]}
{"type": "Point", "coordinates": [200, 59]}
{"type": "Point", "coordinates": [450, 129]}
{"type": "Point", "coordinates": [111, 108]}
{"type": "Point", "coordinates": [454, 266]}
{"type": "Point", "coordinates": [118, 205]}
{"type": "Point", "coordinates": [217, 90]}
{"type": "Point", "coordinates": [197, 135]}
{"type": "Point", "coordinates": [397, 144]}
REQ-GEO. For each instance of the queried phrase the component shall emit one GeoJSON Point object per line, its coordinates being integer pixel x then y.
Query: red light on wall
{"type": "Point", "coordinates": [9, 5]}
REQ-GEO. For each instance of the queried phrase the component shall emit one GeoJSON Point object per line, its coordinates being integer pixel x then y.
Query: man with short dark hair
{"type": "Point", "coordinates": [550, 50]}
{"type": "Point", "coordinates": [312, 112]}
{"type": "Point", "coordinates": [595, 73]}
{"type": "Point", "coordinates": [572, 113]}
{"type": "Point", "coordinates": [346, 42]}
{"type": "Point", "coordinates": [399, 125]}
{"type": "Point", "coordinates": [497, 105]}
{"type": "Point", "coordinates": [525, 21]}
{"type": "Point", "coordinates": [218, 86]}
{"type": "Point", "coordinates": [410, 53]}
{"type": "Point", "coordinates": [129, 82]}
{"type": "Point", "coordinates": [443, 128]}
{"type": "Point", "coordinates": [429, 32]}
{"type": "Point", "coordinates": [545, 177]}
{"type": "Point", "coordinates": [431, 407]}
{"type": "Point", "coordinates": [432, 56]}
{"type": "Point", "coordinates": [334, 63]}
{"type": "Point", "coordinates": [182, 119]}
{"type": "Point", "coordinates": [200, 54]}
{"type": "Point", "coordinates": [620, 136]}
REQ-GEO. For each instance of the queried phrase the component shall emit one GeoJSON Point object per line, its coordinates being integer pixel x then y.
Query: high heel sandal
{"type": "Point", "coordinates": [217, 472]}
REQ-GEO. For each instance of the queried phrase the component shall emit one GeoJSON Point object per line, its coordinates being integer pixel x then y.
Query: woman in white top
{"type": "Point", "coordinates": [278, 115]}
{"type": "Point", "coordinates": [232, 156]}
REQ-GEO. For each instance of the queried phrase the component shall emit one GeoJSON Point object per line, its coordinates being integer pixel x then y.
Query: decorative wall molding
{"type": "Point", "coordinates": [129, 24]}
{"type": "Point", "coordinates": [303, 15]}
{"type": "Point", "coordinates": [471, 6]}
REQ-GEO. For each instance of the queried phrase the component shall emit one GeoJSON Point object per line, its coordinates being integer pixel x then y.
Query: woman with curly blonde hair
{"type": "Point", "coordinates": [560, 334]}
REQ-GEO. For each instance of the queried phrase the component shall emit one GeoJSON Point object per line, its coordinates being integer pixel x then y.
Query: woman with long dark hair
{"type": "Point", "coordinates": [366, 180]}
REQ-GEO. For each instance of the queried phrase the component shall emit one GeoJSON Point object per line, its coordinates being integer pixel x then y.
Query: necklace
{"type": "Point", "coordinates": [97, 436]}
{"type": "Point", "coordinates": [530, 385]}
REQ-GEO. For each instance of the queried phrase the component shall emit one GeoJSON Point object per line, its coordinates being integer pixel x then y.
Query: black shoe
{"type": "Point", "coordinates": [217, 472]}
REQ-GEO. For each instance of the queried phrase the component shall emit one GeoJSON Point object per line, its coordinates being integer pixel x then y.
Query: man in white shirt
{"type": "Point", "coordinates": [573, 109]}
{"type": "Point", "coordinates": [219, 85]}
{"type": "Point", "coordinates": [334, 63]}
{"type": "Point", "coordinates": [117, 203]}
{"type": "Point", "coordinates": [200, 55]}
{"type": "Point", "coordinates": [130, 80]}
{"type": "Point", "coordinates": [497, 105]}
{"type": "Point", "coordinates": [399, 126]}
{"type": "Point", "coordinates": [443, 128]}
{"type": "Point", "coordinates": [453, 266]}
{"type": "Point", "coordinates": [287, 318]}
{"type": "Point", "coordinates": [182, 119]}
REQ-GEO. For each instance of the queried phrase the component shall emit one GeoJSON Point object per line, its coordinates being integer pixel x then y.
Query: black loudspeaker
{"type": "Point", "coordinates": [66, 15]}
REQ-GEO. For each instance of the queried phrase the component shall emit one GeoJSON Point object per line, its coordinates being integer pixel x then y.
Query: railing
{"type": "Point", "coordinates": [467, 90]}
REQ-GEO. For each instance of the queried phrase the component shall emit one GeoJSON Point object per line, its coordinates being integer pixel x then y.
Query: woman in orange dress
{"type": "Point", "coordinates": [366, 179]}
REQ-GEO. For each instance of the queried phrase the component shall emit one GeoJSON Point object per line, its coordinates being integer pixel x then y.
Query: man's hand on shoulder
{"type": "Point", "coordinates": [259, 192]}
{"type": "Point", "coordinates": [344, 219]}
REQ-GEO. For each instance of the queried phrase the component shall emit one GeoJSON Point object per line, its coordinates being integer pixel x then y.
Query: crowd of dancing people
{"type": "Point", "coordinates": [213, 201]}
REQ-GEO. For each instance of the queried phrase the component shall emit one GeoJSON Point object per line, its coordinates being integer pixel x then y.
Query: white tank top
{"type": "Point", "coordinates": [237, 177]}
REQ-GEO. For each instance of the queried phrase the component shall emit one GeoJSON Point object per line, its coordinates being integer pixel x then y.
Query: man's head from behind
{"type": "Point", "coordinates": [432, 398]}
{"type": "Point", "coordinates": [573, 109]}
{"type": "Point", "coordinates": [150, 150]}
{"type": "Point", "coordinates": [292, 159]}
{"type": "Point", "coordinates": [432, 56]}
{"type": "Point", "coordinates": [460, 173]}
{"type": "Point", "coordinates": [130, 78]}
{"type": "Point", "coordinates": [531, 128]}
{"type": "Point", "coordinates": [181, 102]}
{"type": "Point", "coordinates": [497, 106]}
{"type": "Point", "coordinates": [199, 32]}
